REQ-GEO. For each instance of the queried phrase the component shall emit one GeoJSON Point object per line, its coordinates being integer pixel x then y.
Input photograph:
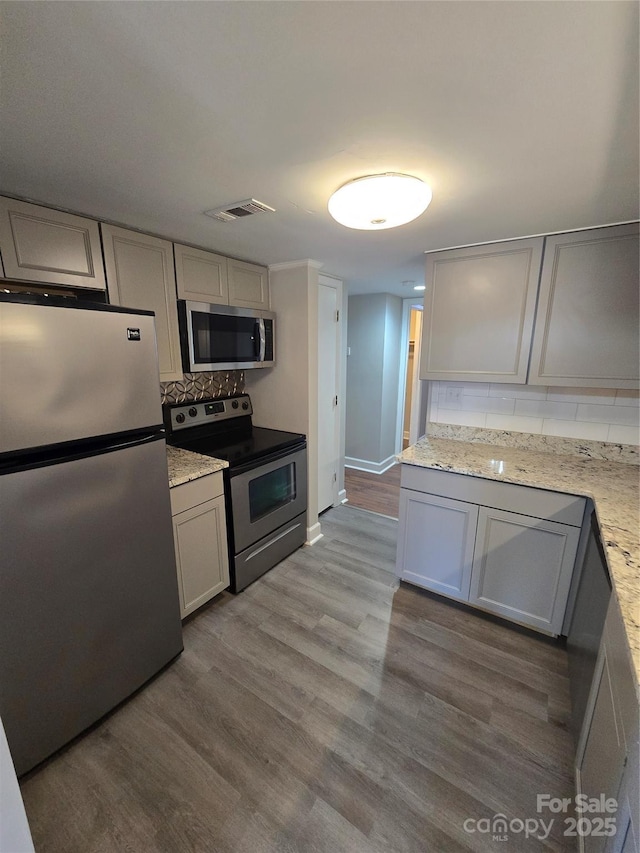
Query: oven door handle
{"type": "Point", "coordinates": [263, 460]}
{"type": "Point", "coordinates": [262, 338]}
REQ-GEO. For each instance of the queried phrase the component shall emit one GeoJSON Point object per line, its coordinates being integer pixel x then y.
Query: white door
{"type": "Point", "coordinates": [328, 433]}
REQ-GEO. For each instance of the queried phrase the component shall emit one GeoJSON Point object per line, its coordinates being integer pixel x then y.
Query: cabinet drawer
{"type": "Point", "coordinates": [538, 503]}
{"type": "Point", "coordinates": [196, 492]}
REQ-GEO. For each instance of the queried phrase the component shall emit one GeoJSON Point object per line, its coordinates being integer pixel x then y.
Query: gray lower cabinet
{"type": "Point", "coordinates": [479, 308]}
{"type": "Point", "coordinates": [40, 244]}
{"type": "Point", "coordinates": [140, 274]}
{"type": "Point", "coordinates": [200, 539]}
{"type": "Point", "coordinates": [435, 542]}
{"type": "Point", "coordinates": [607, 758]}
{"type": "Point", "coordinates": [586, 331]}
{"type": "Point", "coordinates": [507, 549]}
{"type": "Point", "coordinates": [522, 567]}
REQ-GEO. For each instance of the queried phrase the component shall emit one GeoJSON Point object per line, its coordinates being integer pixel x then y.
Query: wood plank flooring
{"type": "Point", "coordinates": [322, 710]}
{"type": "Point", "coordinates": [374, 492]}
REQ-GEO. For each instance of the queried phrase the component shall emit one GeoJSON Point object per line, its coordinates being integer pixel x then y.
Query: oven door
{"type": "Point", "coordinates": [267, 496]}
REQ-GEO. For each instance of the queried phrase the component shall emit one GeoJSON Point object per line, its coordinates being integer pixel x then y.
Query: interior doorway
{"type": "Point", "coordinates": [412, 397]}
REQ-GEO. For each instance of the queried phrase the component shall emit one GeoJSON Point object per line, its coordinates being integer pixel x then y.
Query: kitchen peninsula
{"type": "Point", "coordinates": [613, 486]}
{"type": "Point", "coordinates": [514, 513]}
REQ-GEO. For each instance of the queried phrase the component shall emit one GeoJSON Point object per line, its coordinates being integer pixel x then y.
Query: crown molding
{"type": "Point", "coordinates": [290, 265]}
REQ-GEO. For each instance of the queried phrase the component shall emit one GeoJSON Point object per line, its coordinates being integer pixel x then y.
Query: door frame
{"type": "Point", "coordinates": [416, 400]}
{"type": "Point", "coordinates": [339, 493]}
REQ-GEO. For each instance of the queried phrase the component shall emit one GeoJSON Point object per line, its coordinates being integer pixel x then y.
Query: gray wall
{"type": "Point", "coordinates": [373, 368]}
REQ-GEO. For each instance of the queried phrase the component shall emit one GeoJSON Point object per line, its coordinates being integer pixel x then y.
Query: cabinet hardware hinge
{"type": "Point", "coordinates": [335, 400]}
{"type": "Point", "coordinates": [335, 476]}
{"type": "Point", "coordinates": [337, 316]}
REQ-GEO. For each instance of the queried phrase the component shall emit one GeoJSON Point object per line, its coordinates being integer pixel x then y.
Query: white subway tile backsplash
{"type": "Point", "coordinates": [599, 414]}
{"type": "Point", "coordinates": [597, 396]}
{"type": "Point", "coordinates": [627, 398]}
{"type": "Point", "coordinates": [575, 429]}
{"type": "Point", "coordinates": [496, 405]}
{"type": "Point", "coordinates": [623, 415]}
{"type": "Point", "coordinates": [474, 389]}
{"type": "Point", "coordinates": [623, 434]}
{"type": "Point", "coordinates": [514, 423]}
{"type": "Point", "coordinates": [451, 416]}
{"type": "Point", "coordinates": [521, 392]}
{"type": "Point", "coordinates": [546, 409]}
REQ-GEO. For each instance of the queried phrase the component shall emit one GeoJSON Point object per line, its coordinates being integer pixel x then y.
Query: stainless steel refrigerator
{"type": "Point", "coordinates": [88, 592]}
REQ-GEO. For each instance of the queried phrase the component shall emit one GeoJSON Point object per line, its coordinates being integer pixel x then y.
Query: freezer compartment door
{"type": "Point", "coordinates": [88, 593]}
{"type": "Point", "coordinates": [71, 373]}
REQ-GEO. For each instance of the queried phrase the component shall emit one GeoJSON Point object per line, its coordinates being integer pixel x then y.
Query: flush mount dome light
{"type": "Point", "coordinates": [379, 201]}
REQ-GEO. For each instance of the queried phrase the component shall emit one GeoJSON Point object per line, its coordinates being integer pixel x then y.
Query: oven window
{"type": "Point", "coordinates": [272, 491]}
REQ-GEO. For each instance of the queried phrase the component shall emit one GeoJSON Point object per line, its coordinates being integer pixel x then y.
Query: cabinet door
{"type": "Point", "coordinates": [587, 318]}
{"type": "Point", "coordinates": [478, 312]}
{"type": "Point", "coordinates": [41, 244]}
{"type": "Point", "coordinates": [200, 538]}
{"type": "Point", "coordinates": [435, 543]}
{"type": "Point", "coordinates": [201, 276]}
{"type": "Point", "coordinates": [601, 764]}
{"type": "Point", "coordinates": [248, 285]}
{"type": "Point", "coordinates": [522, 568]}
{"type": "Point", "coordinates": [140, 274]}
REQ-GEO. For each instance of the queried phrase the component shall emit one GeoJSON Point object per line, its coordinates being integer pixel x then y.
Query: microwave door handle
{"type": "Point", "coordinates": [262, 337]}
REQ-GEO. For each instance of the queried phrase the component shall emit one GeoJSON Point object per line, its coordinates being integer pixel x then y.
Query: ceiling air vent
{"type": "Point", "coordinates": [239, 209]}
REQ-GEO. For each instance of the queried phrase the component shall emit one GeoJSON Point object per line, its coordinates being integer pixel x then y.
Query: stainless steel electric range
{"type": "Point", "coordinates": [265, 484]}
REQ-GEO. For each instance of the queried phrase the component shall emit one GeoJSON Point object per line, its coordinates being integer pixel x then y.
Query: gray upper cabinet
{"type": "Point", "coordinates": [140, 274]}
{"type": "Point", "coordinates": [201, 276]}
{"type": "Point", "coordinates": [587, 318]}
{"type": "Point", "coordinates": [248, 285]}
{"type": "Point", "coordinates": [479, 307]}
{"type": "Point", "coordinates": [43, 245]}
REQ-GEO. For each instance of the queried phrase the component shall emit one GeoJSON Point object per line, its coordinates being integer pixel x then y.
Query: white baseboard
{"type": "Point", "coordinates": [314, 534]}
{"type": "Point", "coordinates": [371, 467]}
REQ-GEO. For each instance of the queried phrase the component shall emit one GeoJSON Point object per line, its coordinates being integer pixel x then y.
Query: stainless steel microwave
{"type": "Point", "coordinates": [221, 337]}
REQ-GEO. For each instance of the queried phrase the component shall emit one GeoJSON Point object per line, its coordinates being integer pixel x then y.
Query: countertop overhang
{"type": "Point", "coordinates": [184, 465]}
{"type": "Point", "coordinates": [614, 488]}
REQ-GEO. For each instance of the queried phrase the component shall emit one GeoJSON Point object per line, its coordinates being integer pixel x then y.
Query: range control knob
{"type": "Point", "coordinates": [193, 412]}
{"type": "Point", "coordinates": [180, 418]}
{"type": "Point", "coordinates": [245, 405]}
{"type": "Point", "coordinates": [234, 405]}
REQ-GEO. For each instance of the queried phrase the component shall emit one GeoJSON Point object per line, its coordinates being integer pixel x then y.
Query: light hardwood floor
{"type": "Point", "coordinates": [374, 492]}
{"type": "Point", "coordinates": [322, 710]}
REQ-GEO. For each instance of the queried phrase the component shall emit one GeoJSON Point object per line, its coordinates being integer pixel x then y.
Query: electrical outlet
{"type": "Point", "coordinates": [453, 396]}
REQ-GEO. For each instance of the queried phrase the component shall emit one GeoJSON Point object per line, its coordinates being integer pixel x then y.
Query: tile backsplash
{"type": "Point", "coordinates": [198, 386]}
{"type": "Point", "coordinates": [602, 414]}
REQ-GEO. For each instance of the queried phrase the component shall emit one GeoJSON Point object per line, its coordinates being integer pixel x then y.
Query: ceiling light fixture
{"type": "Point", "coordinates": [419, 287]}
{"type": "Point", "coordinates": [380, 201]}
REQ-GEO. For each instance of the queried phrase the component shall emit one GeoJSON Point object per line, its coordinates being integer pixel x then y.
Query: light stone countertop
{"type": "Point", "coordinates": [613, 487]}
{"type": "Point", "coordinates": [184, 465]}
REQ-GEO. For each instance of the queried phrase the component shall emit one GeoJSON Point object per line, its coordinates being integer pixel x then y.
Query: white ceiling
{"type": "Point", "coordinates": [522, 116]}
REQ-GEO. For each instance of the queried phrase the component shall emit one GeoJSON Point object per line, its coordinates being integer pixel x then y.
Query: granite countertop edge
{"type": "Point", "coordinates": [612, 486]}
{"type": "Point", "coordinates": [185, 466]}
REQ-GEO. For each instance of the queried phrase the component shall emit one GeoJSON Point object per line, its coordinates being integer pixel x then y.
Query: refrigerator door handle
{"type": "Point", "coordinates": [82, 449]}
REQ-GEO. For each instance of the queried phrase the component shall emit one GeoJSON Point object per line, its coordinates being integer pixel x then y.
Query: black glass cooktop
{"type": "Point", "coordinates": [238, 448]}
